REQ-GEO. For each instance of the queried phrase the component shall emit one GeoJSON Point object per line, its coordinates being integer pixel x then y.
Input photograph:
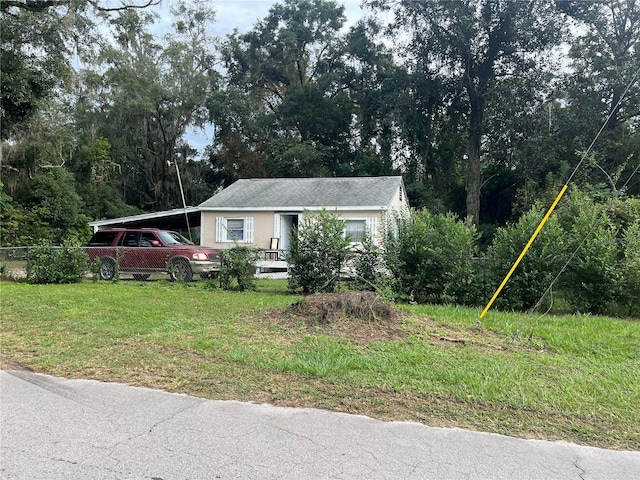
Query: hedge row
{"type": "Point", "coordinates": [586, 258]}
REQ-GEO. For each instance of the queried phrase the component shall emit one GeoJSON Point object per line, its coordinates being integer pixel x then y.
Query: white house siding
{"type": "Point", "coordinates": [399, 201]}
{"type": "Point", "coordinates": [265, 228]}
{"type": "Point", "coordinates": [262, 228]}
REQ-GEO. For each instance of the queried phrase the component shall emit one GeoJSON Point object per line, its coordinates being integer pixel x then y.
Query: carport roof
{"type": "Point", "coordinates": [170, 219]}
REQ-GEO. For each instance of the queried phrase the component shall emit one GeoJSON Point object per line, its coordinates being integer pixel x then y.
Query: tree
{"type": "Point", "coordinates": [44, 142]}
{"type": "Point", "coordinates": [34, 62]}
{"type": "Point", "coordinates": [481, 43]}
{"type": "Point", "coordinates": [604, 62]}
{"type": "Point", "coordinates": [150, 93]}
{"type": "Point", "coordinates": [286, 96]}
{"type": "Point", "coordinates": [53, 199]}
{"type": "Point", "coordinates": [38, 39]}
{"type": "Point", "coordinates": [39, 6]}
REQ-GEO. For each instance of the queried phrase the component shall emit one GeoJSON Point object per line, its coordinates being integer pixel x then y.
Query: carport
{"type": "Point", "coordinates": [177, 219]}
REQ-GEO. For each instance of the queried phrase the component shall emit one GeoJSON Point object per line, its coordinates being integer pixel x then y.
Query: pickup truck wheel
{"type": "Point", "coordinates": [141, 276]}
{"type": "Point", "coordinates": [107, 268]}
{"type": "Point", "coordinates": [180, 270]}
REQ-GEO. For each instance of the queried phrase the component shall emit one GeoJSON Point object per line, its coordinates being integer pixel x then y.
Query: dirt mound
{"type": "Point", "coordinates": [362, 317]}
{"type": "Point", "coordinates": [365, 306]}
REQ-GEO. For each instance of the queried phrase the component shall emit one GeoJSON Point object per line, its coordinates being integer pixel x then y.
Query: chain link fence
{"type": "Point", "coordinates": [13, 262]}
{"type": "Point", "coordinates": [145, 263]}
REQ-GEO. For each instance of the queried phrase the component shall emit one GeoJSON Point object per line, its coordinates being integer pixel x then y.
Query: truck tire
{"type": "Point", "coordinates": [180, 270]}
{"type": "Point", "coordinates": [107, 268]}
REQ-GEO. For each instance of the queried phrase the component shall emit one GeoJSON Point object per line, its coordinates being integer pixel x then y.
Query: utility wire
{"type": "Point", "coordinates": [564, 267]}
{"type": "Point", "coordinates": [548, 214]}
{"type": "Point", "coordinates": [579, 247]}
{"type": "Point", "coordinates": [604, 125]}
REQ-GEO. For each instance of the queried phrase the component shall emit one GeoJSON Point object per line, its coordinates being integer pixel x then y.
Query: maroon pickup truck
{"type": "Point", "coordinates": [148, 250]}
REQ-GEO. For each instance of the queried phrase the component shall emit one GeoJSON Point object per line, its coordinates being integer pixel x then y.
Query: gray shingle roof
{"type": "Point", "coordinates": [307, 193]}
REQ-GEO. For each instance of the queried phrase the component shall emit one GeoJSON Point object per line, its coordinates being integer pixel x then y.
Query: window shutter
{"type": "Point", "coordinates": [220, 231]}
{"type": "Point", "coordinates": [372, 228]}
{"type": "Point", "coordinates": [248, 230]}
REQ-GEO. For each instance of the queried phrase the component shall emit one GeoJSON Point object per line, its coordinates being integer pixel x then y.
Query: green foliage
{"type": "Point", "coordinates": [539, 266]}
{"type": "Point", "coordinates": [104, 201]}
{"type": "Point", "coordinates": [48, 264]}
{"type": "Point", "coordinates": [239, 264]}
{"type": "Point", "coordinates": [292, 158]}
{"type": "Point", "coordinates": [319, 251]}
{"type": "Point", "coordinates": [430, 257]}
{"type": "Point", "coordinates": [54, 202]}
{"type": "Point", "coordinates": [34, 58]}
{"type": "Point", "coordinates": [21, 227]}
{"type": "Point", "coordinates": [162, 84]}
{"type": "Point", "coordinates": [94, 269]}
{"type": "Point", "coordinates": [631, 270]}
{"type": "Point", "coordinates": [595, 278]}
{"type": "Point", "coordinates": [297, 53]}
{"type": "Point", "coordinates": [367, 265]}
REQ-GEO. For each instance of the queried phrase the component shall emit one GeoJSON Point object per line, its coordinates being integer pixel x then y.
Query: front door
{"type": "Point", "coordinates": [287, 223]}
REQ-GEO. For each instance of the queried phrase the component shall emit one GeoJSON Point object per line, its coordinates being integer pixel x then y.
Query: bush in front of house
{"type": "Point", "coordinates": [319, 251]}
{"type": "Point", "coordinates": [367, 266]}
{"type": "Point", "coordinates": [49, 264]}
{"type": "Point", "coordinates": [238, 263]}
{"type": "Point", "coordinates": [429, 257]}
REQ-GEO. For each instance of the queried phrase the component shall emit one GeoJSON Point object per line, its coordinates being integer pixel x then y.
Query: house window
{"type": "Point", "coordinates": [234, 229]}
{"type": "Point", "coordinates": [355, 229]}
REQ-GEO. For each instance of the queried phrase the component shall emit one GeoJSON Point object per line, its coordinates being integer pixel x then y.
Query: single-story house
{"type": "Point", "coordinates": [263, 212]}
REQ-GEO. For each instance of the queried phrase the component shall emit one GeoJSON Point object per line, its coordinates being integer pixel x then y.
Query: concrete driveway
{"type": "Point", "coordinates": [54, 428]}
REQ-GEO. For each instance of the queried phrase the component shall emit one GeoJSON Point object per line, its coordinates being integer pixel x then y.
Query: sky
{"type": "Point", "coordinates": [243, 15]}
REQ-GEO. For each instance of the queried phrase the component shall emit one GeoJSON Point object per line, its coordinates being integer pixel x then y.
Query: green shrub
{"type": "Point", "coordinates": [631, 270]}
{"type": "Point", "coordinates": [239, 264]}
{"type": "Point", "coordinates": [48, 264]}
{"type": "Point", "coordinates": [367, 266]}
{"type": "Point", "coordinates": [593, 281]}
{"type": "Point", "coordinates": [539, 266]}
{"type": "Point", "coordinates": [430, 257]}
{"type": "Point", "coordinates": [319, 251]}
{"type": "Point", "coordinates": [598, 279]}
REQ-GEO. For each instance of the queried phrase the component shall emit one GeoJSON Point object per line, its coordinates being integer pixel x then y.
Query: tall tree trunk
{"type": "Point", "coordinates": [474, 172]}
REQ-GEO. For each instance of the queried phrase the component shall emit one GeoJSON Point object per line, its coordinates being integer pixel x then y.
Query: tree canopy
{"type": "Point", "coordinates": [484, 106]}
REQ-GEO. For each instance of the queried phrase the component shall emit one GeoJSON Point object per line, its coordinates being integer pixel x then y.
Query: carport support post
{"type": "Point", "coordinates": [184, 203]}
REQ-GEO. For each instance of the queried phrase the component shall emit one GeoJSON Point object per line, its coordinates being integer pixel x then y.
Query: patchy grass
{"type": "Point", "coordinates": [574, 378]}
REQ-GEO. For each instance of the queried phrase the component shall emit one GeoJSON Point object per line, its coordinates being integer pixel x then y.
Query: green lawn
{"type": "Point", "coordinates": [575, 378]}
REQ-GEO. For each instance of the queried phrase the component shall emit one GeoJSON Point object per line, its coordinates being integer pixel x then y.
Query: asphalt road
{"type": "Point", "coordinates": [54, 428]}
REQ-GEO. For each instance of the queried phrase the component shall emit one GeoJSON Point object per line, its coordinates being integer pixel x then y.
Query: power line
{"type": "Point", "coordinates": [557, 199]}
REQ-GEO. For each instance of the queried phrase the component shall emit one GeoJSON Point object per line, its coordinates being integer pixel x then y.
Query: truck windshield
{"type": "Point", "coordinates": [174, 238]}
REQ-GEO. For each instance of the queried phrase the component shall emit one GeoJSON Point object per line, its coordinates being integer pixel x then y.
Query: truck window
{"type": "Point", "coordinates": [130, 239]}
{"type": "Point", "coordinates": [102, 239]}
